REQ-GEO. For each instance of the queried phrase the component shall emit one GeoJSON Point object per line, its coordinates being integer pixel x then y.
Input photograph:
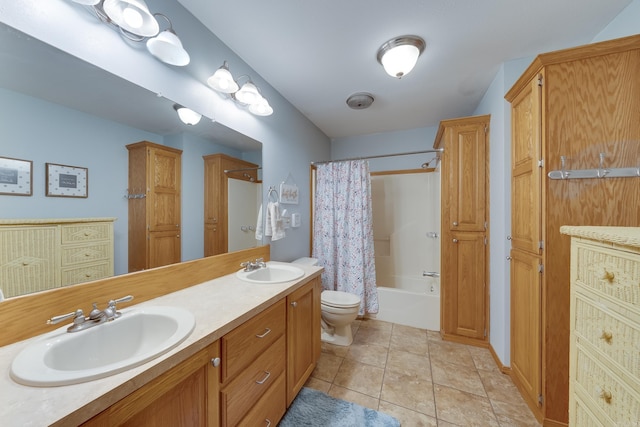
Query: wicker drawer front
{"type": "Point", "coordinates": [77, 233]}
{"type": "Point", "coordinates": [86, 273]}
{"type": "Point", "coordinates": [72, 255]}
{"type": "Point", "coordinates": [582, 415]}
{"type": "Point", "coordinates": [242, 345]}
{"type": "Point", "coordinates": [241, 394]}
{"type": "Point", "coordinates": [615, 336]}
{"type": "Point", "coordinates": [605, 391]}
{"type": "Point", "coordinates": [270, 408]}
{"type": "Point", "coordinates": [612, 272]}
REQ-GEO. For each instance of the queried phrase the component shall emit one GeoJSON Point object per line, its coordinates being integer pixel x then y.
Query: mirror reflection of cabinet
{"type": "Point", "coordinates": [154, 205]}
{"type": "Point", "coordinates": [216, 239]}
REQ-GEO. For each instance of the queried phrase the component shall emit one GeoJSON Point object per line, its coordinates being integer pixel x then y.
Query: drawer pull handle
{"type": "Point", "coordinates": [266, 377]}
{"type": "Point", "coordinates": [606, 396]}
{"type": "Point", "coordinates": [266, 332]}
{"type": "Point", "coordinates": [608, 276]}
{"type": "Point", "coordinates": [607, 337]}
{"type": "Point", "coordinates": [268, 422]}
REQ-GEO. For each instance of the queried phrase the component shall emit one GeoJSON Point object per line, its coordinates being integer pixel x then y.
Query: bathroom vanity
{"type": "Point", "coordinates": [252, 349]}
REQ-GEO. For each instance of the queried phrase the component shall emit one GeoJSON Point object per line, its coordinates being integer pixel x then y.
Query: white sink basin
{"type": "Point", "coordinates": [272, 273]}
{"type": "Point", "coordinates": [139, 335]}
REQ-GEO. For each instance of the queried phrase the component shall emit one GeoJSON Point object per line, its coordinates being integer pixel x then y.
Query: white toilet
{"type": "Point", "coordinates": [339, 310]}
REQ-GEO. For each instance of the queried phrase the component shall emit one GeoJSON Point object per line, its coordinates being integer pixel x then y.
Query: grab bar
{"type": "Point", "coordinates": [430, 274]}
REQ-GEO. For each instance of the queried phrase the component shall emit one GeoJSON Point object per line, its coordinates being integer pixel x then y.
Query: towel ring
{"type": "Point", "coordinates": [272, 191]}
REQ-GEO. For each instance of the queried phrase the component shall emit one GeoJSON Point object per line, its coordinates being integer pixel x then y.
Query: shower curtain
{"type": "Point", "coordinates": [343, 231]}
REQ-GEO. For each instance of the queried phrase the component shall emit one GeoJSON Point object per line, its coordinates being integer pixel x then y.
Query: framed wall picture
{"type": "Point", "coordinates": [289, 194]}
{"type": "Point", "coordinates": [16, 177]}
{"type": "Point", "coordinates": [66, 181]}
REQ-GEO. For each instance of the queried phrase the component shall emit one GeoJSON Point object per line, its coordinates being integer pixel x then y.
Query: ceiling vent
{"type": "Point", "coordinates": [360, 100]}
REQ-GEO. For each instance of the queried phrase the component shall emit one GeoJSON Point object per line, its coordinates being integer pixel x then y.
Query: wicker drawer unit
{"type": "Point", "coordinates": [605, 326]}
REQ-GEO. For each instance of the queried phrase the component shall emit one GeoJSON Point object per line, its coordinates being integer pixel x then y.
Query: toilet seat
{"type": "Point", "coordinates": [339, 299]}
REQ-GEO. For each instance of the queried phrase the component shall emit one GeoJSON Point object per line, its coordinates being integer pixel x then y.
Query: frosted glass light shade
{"type": "Point", "coordinates": [248, 94]}
{"type": "Point", "coordinates": [222, 81]}
{"type": "Point", "coordinates": [398, 56]}
{"type": "Point", "coordinates": [167, 47]}
{"type": "Point", "coordinates": [87, 2]}
{"type": "Point", "coordinates": [132, 16]}
{"type": "Point", "coordinates": [186, 115]}
{"type": "Point", "coordinates": [261, 108]}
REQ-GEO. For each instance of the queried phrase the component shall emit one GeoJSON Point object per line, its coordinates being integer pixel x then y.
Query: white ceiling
{"type": "Point", "coordinates": [317, 53]}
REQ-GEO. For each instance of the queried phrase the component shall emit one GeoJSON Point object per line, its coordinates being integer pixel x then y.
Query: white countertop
{"type": "Point", "coordinates": [218, 305]}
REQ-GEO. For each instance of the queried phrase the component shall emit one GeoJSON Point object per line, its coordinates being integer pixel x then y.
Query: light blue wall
{"type": "Point", "coordinates": [627, 23]}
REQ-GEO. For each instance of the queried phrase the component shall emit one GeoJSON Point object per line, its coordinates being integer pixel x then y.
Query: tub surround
{"type": "Point", "coordinates": [219, 305]}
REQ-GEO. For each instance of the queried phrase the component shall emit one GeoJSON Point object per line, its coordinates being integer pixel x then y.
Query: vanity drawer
{"type": "Point", "coordinates": [86, 273]}
{"type": "Point", "coordinates": [270, 408]}
{"type": "Point", "coordinates": [81, 232]}
{"type": "Point", "coordinates": [242, 393]}
{"type": "Point", "coordinates": [72, 255]}
{"type": "Point", "coordinates": [614, 335]}
{"type": "Point", "coordinates": [615, 273]}
{"type": "Point", "coordinates": [603, 390]}
{"type": "Point", "coordinates": [242, 345]}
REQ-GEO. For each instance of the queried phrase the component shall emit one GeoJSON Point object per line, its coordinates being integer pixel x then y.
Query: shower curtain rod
{"type": "Point", "coordinates": [243, 169]}
{"type": "Point", "coordinates": [437, 150]}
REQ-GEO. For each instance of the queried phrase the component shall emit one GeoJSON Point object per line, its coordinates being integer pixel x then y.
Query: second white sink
{"type": "Point", "coordinates": [139, 335]}
{"type": "Point", "coordinates": [272, 273]}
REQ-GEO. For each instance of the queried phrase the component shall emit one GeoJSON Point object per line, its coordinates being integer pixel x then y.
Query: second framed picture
{"type": "Point", "coordinates": [66, 181]}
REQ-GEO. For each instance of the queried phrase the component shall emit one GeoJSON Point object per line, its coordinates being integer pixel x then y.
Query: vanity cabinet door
{"type": "Point", "coordinates": [186, 395]}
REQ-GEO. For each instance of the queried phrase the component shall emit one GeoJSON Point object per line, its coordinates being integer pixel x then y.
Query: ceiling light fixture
{"type": "Point", "coordinates": [399, 55]}
{"type": "Point", "coordinates": [248, 95]}
{"type": "Point", "coordinates": [135, 22]}
{"type": "Point", "coordinates": [187, 116]}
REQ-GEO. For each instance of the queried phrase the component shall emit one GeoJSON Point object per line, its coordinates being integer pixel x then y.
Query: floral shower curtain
{"type": "Point", "coordinates": [343, 231]}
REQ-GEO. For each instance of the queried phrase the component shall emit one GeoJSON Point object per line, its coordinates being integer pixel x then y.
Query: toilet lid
{"type": "Point", "coordinates": [339, 299]}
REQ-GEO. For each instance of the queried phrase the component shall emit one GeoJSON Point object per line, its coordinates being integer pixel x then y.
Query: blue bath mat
{"type": "Point", "coordinates": [314, 408]}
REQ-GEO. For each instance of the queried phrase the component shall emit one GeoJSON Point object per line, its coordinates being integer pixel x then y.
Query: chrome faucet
{"type": "Point", "coordinates": [254, 265]}
{"type": "Point", "coordinates": [96, 316]}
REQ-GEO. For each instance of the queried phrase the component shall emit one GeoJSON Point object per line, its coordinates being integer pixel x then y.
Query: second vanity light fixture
{"type": "Point", "coordinates": [135, 22]}
{"type": "Point", "coordinates": [247, 95]}
{"type": "Point", "coordinates": [187, 115]}
{"type": "Point", "coordinates": [399, 55]}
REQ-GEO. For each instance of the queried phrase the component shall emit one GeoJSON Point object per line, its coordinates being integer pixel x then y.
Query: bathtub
{"type": "Point", "coordinates": [412, 302]}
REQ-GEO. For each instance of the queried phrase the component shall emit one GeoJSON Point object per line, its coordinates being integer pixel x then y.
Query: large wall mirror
{"type": "Point", "coordinates": [55, 108]}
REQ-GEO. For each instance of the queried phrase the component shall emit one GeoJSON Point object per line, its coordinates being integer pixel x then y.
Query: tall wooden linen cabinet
{"type": "Point", "coordinates": [464, 236]}
{"type": "Point", "coordinates": [573, 104]}
{"type": "Point", "coordinates": [154, 205]}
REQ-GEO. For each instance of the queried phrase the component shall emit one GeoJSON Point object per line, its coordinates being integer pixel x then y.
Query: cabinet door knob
{"type": "Point", "coordinates": [455, 223]}
{"type": "Point", "coordinates": [455, 240]}
{"type": "Point", "coordinates": [606, 396]}
{"type": "Point", "coordinates": [294, 304]}
{"type": "Point", "coordinates": [606, 336]}
{"type": "Point", "coordinates": [609, 276]}
{"type": "Point", "coordinates": [215, 362]}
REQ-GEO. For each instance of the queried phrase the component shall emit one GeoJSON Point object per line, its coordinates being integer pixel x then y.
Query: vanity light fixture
{"type": "Point", "coordinates": [187, 116]}
{"type": "Point", "coordinates": [399, 55]}
{"type": "Point", "coordinates": [248, 95]}
{"type": "Point", "coordinates": [135, 22]}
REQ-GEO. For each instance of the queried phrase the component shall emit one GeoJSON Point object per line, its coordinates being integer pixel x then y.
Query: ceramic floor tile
{"type": "Point", "coordinates": [317, 384]}
{"type": "Point", "coordinates": [451, 352]}
{"type": "Point", "coordinates": [370, 354]}
{"type": "Point", "coordinates": [327, 367]}
{"type": "Point", "coordinates": [407, 417]}
{"type": "Point", "coordinates": [465, 409]}
{"type": "Point", "coordinates": [483, 359]}
{"type": "Point", "coordinates": [360, 377]}
{"type": "Point", "coordinates": [376, 324]}
{"type": "Point", "coordinates": [372, 336]}
{"type": "Point", "coordinates": [354, 397]}
{"type": "Point", "coordinates": [457, 376]}
{"type": "Point", "coordinates": [409, 364]}
{"type": "Point", "coordinates": [516, 414]}
{"type": "Point", "coordinates": [336, 350]}
{"type": "Point", "coordinates": [434, 336]}
{"type": "Point", "coordinates": [500, 387]}
{"type": "Point", "coordinates": [411, 344]}
{"type": "Point", "coordinates": [409, 331]}
{"type": "Point", "coordinates": [408, 392]}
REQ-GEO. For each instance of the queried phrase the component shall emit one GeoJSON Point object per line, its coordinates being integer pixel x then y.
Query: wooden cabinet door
{"type": "Point", "coordinates": [463, 287]}
{"type": "Point", "coordinates": [185, 396]}
{"type": "Point", "coordinates": [302, 324]}
{"type": "Point", "coordinates": [164, 248]}
{"type": "Point", "coordinates": [526, 331]}
{"type": "Point", "coordinates": [466, 145]}
{"type": "Point", "coordinates": [164, 190]}
{"type": "Point", "coordinates": [526, 173]}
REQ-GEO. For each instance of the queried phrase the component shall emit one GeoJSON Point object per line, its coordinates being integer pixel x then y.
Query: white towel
{"type": "Point", "coordinates": [274, 225]}
{"type": "Point", "coordinates": [259, 227]}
